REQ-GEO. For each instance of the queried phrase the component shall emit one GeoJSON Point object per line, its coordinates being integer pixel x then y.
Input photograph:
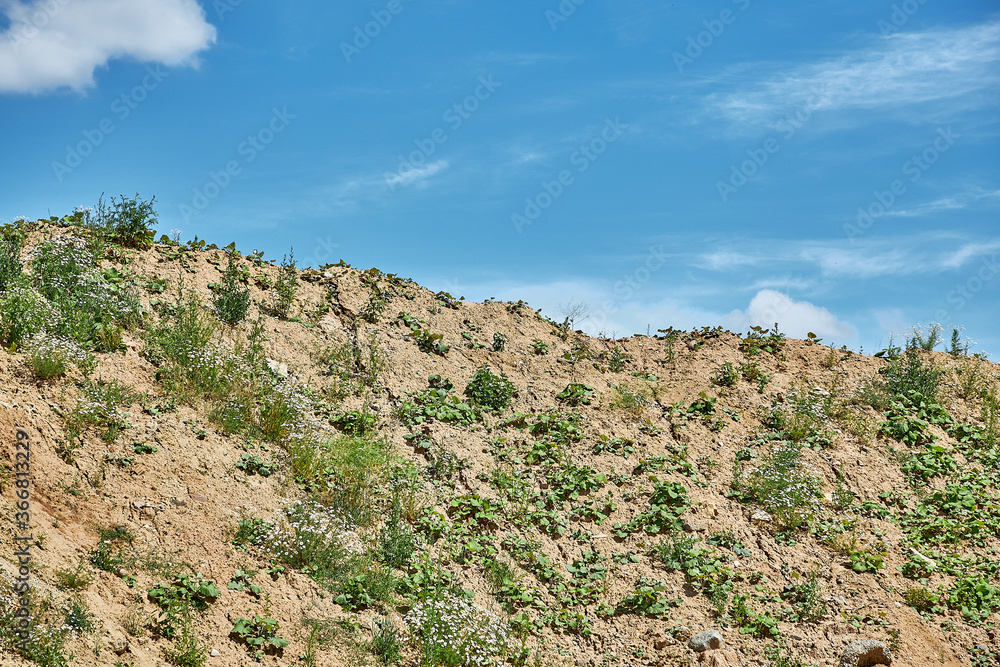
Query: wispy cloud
{"type": "Point", "coordinates": [904, 70]}
{"type": "Point", "coordinates": [926, 253]}
{"type": "Point", "coordinates": [417, 176]}
{"type": "Point", "coordinates": [949, 203]}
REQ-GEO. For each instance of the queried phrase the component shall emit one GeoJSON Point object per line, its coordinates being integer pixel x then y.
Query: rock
{"type": "Point", "coordinates": [865, 653]}
{"type": "Point", "coordinates": [692, 345]}
{"type": "Point", "coordinates": [119, 646]}
{"type": "Point", "coordinates": [705, 640]}
{"type": "Point", "coordinates": [215, 653]}
{"type": "Point", "coordinates": [330, 324]}
{"type": "Point", "coordinates": [760, 515]}
{"type": "Point", "coordinates": [694, 526]}
{"type": "Point", "coordinates": [718, 658]}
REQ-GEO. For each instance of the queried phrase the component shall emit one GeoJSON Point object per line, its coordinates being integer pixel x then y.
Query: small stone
{"type": "Point", "coordinates": [215, 653]}
{"type": "Point", "coordinates": [705, 640]}
{"type": "Point", "coordinates": [760, 515]}
{"type": "Point", "coordinates": [694, 526]}
{"type": "Point", "coordinates": [692, 345]}
{"type": "Point", "coordinates": [330, 324]}
{"type": "Point", "coordinates": [865, 653]}
{"type": "Point", "coordinates": [119, 646]}
{"type": "Point", "coordinates": [177, 502]}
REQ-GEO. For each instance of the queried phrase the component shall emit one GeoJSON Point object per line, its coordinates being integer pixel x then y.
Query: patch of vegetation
{"type": "Point", "coordinates": [260, 634]}
{"type": "Point", "coordinates": [782, 482]}
{"type": "Point", "coordinates": [489, 391]}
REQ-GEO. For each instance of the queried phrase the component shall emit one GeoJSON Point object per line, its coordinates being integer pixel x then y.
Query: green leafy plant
{"type": "Point", "coordinates": [725, 376]}
{"type": "Point", "coordinates": [254, 465]}
{"type": "Point", "coordinates": [539, 347]}
{"type": "Point", "coordinates": [260, 634]}
{"type": "Point", "coordinates": [489, 391]}
{"type": "Point", "coordinates": [648, 599]}
{"type": "Point", "coordinates": [499, 342]}
{"type": "Point", "coordinates": [576, 393]}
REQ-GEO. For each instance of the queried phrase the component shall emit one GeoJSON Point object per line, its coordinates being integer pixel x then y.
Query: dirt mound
{"type": "Point", "coordinates": [363, 470]}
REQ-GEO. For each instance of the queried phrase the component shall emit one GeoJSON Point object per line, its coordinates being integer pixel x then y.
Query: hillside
{"type": "Point", "coordinates": [337, 479]}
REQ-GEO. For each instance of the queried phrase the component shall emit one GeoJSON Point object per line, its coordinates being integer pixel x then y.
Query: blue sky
{"type": "Point", "coordinates": [832, 166]}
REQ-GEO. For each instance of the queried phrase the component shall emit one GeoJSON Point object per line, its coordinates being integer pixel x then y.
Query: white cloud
{"type": "Point", "coordinates": [904, 70]}
{"type": "Point", "coordinates": [795, 318]}
{"type": "Point", "coordinates": [52, 44]}
{"type": "Point", "coordinates": [951, 203]}
{"type": "Point", "coordinates": [416, 176]}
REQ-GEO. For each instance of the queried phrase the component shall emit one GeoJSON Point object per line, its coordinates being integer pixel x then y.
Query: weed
{"type": "Point", "coordinates": [782, 482]}
{"type": "Point", "coordinates": [187, 650]}
{"type": "Point", "coordinates": [806, 600]}
{"type": "Point", "coordinates": [725, 376]}
{"type": "Point", "coordinates": [352, 365]}
{"type": "Point", "coordinates": [385, 643]}
{"type": "Point", "coordinates": [131, 221]}
{"type": "Point", "coordinates": [920, 598]}
{"type": "Point", "coordinates": [617, 360]}
{"type": "Point", "coordinates": [576, 393]}
{"type": "Point", "coordinates": [285, 289]}
{"type": "Point", "coordinates": [75, 579]}
{"type": "Point", "coordinates": [260, 634]}
{"type": "Point", "coordinates": [924, 338]}
{"type": "Point", "coordinates": [177, 598]}
{"type": "Point", "coordinates": [254, 465]}
{"type": "Point", "coordinates": [629, 400]}
{"type": "Point", "coordinates": [453, 632]}
{"type": "Point", "coordinates": [499, 342]}
{"type": "Point", "coordinates": [489, 391]}
{"type": "Point", "coordinates": [538, 347]}
{"type": "Point", "coordinates": [648, 599]}
{"type": "Point", "coordinates": [51, 356]}
{"type": "Point", "coordinates": [24, 312]}
{"type": "Point", "coordinates": [10, 261]}
{"type": "Point", "coordinates": [231, 299]}
{"type": "Point", "coordinates": [760, 340]}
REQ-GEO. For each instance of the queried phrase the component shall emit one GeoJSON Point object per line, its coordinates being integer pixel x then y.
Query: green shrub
{"type": "Point", "coordinates": [187, 650]}
{"type": "Point", "coordinates": [490, 391]}
{"type": "Point", "coordinates": [908, 373]}
{"type": "Point", "coordinates": [725, 376]}
{"type": "Point", "coordinates": [130, 222]}
{"type": "Point", "coordinates": [231, 300]}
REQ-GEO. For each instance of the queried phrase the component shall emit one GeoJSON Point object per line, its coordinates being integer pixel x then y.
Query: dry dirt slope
{"type": "Point", "coordinates": [567, 504]}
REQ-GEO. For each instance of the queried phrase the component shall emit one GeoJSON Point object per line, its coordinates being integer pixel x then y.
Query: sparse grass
{"type": "Point", "coordinates": [75, 579]}
{"type": "Point", "coordinates": [628, 399]}
{"type": "Point", "coordinates": [352, 366]}
{"type": "Point", "coordinates": [782, 482]}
